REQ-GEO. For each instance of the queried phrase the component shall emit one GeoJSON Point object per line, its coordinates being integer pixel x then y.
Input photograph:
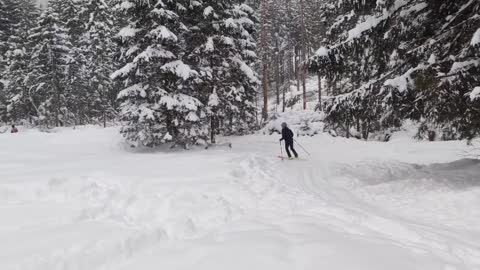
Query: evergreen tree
{"type": "Point", "coordinates": [221, 45]}
{"type": "Point", "coordinates": [10, 19]}
{"type": "Point", "coordinates": [77, 94]}
{"type": "Point", "coordinates": [19, 18]}
{"type": "Point", "coordinates": [244, 80]}
{"type": "Point", "coordinates": [401, 60]}
{"type": "Point", "coordinates": [98, 49]}
{"type": "Point", "coordinates": [156, 103]}
{"type": "Point", "coordinates": [48, 71]}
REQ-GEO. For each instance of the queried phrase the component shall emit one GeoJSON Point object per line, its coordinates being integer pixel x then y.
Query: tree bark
{"type": "Point", "coordinates": [265, 91]}
{"type": "Point", "coordinates": [212, 130]}
{"type": "Point", "coordinates": [304, 86]}
{"type": "Point", "coordinates": [303, 52]}
{"type": "Point", "coordinates": [283, 75]}
{"type": "Point", "coordinates": [319, 75]}
{"type": "Point", "coordinates": [264, 48]}
{"type": "Point", "coordinates": [297, 68]}
{"type": "Point", "coordinates": [277, 75]}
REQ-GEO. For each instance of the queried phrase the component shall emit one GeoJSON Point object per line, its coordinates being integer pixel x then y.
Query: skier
{"type": "Point", "coordinates": [287, 135]}
{"type": "Point", "coordinates": [14, 129]}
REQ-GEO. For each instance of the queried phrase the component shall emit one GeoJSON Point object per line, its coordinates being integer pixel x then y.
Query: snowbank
{"type": "Point", "coordinates": [78, 199]}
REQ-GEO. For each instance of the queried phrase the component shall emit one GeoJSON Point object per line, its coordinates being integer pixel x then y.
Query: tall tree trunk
{"type": "Point", "coordinates": [104, 119]}
{"type": "Point", "coordinates": [264, 49]}
{"type": "Point", "coordinates": [303, 52]}
{"type": "Point", "coordinates": [212, 129]}
{"type": "Point", "coordinates": [297, 68]}
{"type": "Point", "coordinates": [57, 105]}
{"type": "Point", "coordinates": [304, 87]}
{"type": "Point", "coordinates": [265, 91]}
{"type": "Point", "coordinates": [319, 76]}
{"type": "Point", "coordinates": [283, 75]}
{"type": "Point", "coordinates": [277, 76]}
{"type": "Point", "coordinates": [277, 57]}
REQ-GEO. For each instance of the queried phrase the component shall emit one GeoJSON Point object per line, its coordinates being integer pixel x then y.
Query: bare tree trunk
{"type": "Point", "coordinates": [304, 86]}
{"type": "Point", "coordinates": [319, 76]}
{"type": "Point", "coordinates": [304, 53]}
{"type": "Point", "coordinates": [297, 68]}
{"type": "Point", "coordinates": [104, 119]}
{"type": "Point", "coordinates": [277, 75]}
{"type": "Point", "coordinates": [348, 129]}
{"type": "Point", "coordinates": [57, 106]}
{"type": "Point", "coordinates": [283, 76]}
{"type": "Point", "coordinates": [264, 48]}
{"type": "Point", "coordinates": [277, 57]}
{"type": "Point", "coordinates": [333, 86]}
{"type": "Point", "coordinates": [265, 90]}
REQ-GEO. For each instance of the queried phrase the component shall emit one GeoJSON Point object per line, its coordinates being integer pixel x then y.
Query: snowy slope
{"type": "Point", "coordinates": [80, 199]}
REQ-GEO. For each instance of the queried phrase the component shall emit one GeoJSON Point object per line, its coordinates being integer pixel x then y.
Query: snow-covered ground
{"type": "Point", "coordinates": [82, 200]}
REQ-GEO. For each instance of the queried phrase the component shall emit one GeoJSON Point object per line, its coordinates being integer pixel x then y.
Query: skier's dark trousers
{"type": "Point", "coordinates": [287, 135]}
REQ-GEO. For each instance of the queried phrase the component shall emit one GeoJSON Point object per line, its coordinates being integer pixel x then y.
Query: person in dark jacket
{"type": "Point", "coordinates": [14, 129]}
{"type": "Point", "coordinates": [287, 135]}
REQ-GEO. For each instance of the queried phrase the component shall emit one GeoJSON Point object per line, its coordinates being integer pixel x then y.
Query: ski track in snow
{"type": "Point", "coordinates": [81, 200]}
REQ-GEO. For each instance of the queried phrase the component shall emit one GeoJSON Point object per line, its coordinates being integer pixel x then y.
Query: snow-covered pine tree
{"type": "Point", "coordinates": [18, 18]}
{"type": "Point", "coordinates": [241, 114]}
{"type": "Point", "coordinates": [8, 22]}
{"type": "Point", "coordinates": [16, 103]}
{"type": "Point", "coordinates": [157, 102]}
{"type": "Point", "coordinates": [98, 49]}
{"type": "Point", "coordinates": [77, 95]}
{"type": "Point", "coordinates": [401, 60]}
{"type": "Point", "coordinates": [10, 17]}
{"type": "Point", "coordinates": [69, 12]}
{"type": "Point", "coordinates": [221, 45]}
{"type": "Point", "coordinates": [316, 15]}
{"type": "Point", "coordinates": [451, 70]}
{"type": "Point", "coordinates": [51, 56]}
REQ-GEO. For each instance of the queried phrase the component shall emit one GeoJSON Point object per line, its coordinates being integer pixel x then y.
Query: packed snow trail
{"type": "Point", "coordinates": [81, 199]}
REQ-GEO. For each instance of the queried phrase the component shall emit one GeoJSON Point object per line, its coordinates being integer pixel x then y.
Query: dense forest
{"type": "Point", "coordinates": [186, 71]}
{"type": "Point", "coordinates": [378, 63]}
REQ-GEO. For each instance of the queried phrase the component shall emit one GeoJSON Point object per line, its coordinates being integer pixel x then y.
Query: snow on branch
{"type": "Point", "coordinates": [402, 82]}
{"type": "Point", "coordinates": [247, 70]}
{"type": "Point", "coordinates": [128, 32]}
{"type": "Point", "coordinates": [459, 66]}
{"type": "Point", "coordinates": [180, 69]}
{"type": "Point", "coordinates": [475, 94]}
{"type": "Point", "coordinates": [476, 38]}
{"type": "Point", "coordinates": [136, 90]}
{"type": "Point", "coordinates": [162, 32]}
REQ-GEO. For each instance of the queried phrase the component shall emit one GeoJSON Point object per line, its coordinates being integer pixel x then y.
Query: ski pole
{"type": "Point", "coordinates": [302, 147]}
